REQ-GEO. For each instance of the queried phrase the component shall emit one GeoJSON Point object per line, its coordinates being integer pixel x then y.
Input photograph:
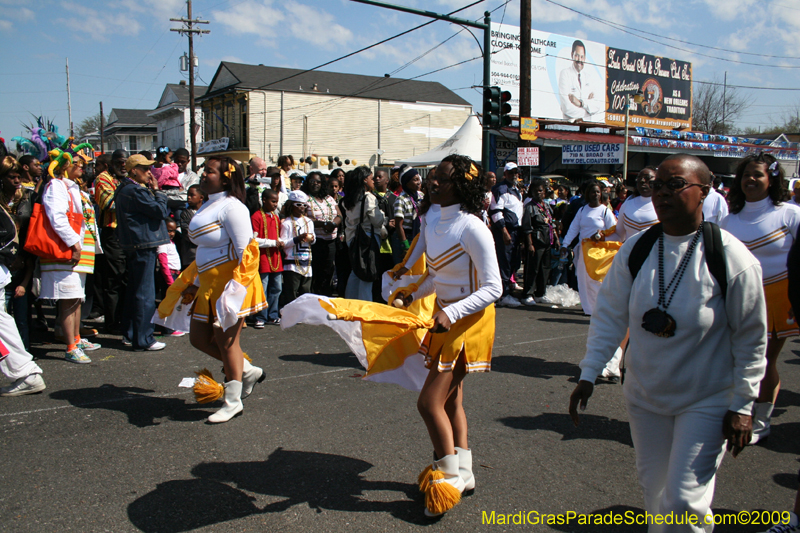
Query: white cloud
{"type": "Point", "coordinates": [731, 9]}
{"type": "Point", "coordinates": [92, 24]}
{"type": "Point", "coordinates": [9, 16]}
{"type": "Point", "coordinates": [315, 25]}
{"type": "Point", "coordinates": [5, 25]}
{"type": "Point", "coordinates": [256, 17]}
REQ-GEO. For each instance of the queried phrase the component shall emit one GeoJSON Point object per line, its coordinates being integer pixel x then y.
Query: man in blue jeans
{"type": "Point", "coordinates": [141, 228]}
{"type": "Point", "coordinates": [506, 211]}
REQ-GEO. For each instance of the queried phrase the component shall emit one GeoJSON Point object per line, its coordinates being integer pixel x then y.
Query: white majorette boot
{"type": "Point", "coordinates": [762, 412]}
{"type": "Point", "coordinates": [465, 468]}
{"type": "Point", "coordinates": [444, 486]}
{"type": "Point", "coordinates": [233, 403]}
{"type": "Point", "coordinates": [250, 376]}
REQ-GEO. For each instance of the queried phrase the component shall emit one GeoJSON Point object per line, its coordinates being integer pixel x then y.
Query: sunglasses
{"type": "Point", "coordinates": [675, 184]}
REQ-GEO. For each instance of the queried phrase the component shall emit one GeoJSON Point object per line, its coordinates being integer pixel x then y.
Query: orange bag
{"type": "Point", "coordinates": [43, 241]}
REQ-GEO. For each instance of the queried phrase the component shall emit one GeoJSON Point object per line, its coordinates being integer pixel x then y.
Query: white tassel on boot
{"type": "Point", "coordinates": [762, 412]}
{"type": "Point", "coordinates": [465, 468]}
{"type": "Point", "coordinates": [445, 487]}
{"type": "Point", "coordinates": [250, 376]}
{"type": "Point", "coordinates": [233, 403]}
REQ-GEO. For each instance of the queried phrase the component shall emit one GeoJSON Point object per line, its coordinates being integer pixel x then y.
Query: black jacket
{"type": "Point", "coordinates": [141, 216]}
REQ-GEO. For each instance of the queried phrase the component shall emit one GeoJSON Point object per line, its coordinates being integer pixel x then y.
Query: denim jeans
{"type": "Point", "coordinates": [273, 283]}
{"type": "Point", "coordinates": [140, 298]}
{"type": "Point", "coordinates": [357, 288]}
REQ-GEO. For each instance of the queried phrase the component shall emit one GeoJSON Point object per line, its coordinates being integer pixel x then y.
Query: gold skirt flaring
{"type": "Point", "coordinates": [473, 334]}
{"type": "Point", "coordinates": [780, 321]}
{"type": "Point", "coordinates": [212, 283]}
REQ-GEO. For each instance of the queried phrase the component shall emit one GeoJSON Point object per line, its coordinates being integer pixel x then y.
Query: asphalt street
{"type": "Point", "coordinates": [118, 446]}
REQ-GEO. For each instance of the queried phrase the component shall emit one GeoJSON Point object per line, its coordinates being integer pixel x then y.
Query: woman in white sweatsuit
{"type": "Point", "coordinates": [590, 220]}
{"type": "Point", "coordinates": [685, 393]}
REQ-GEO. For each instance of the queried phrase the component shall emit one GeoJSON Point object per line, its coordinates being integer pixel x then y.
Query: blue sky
{"type": "Point", "coordinates": [122, 52]}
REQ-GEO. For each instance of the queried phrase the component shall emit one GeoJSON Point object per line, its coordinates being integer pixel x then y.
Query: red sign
{"type": "Point", "coordinates": [528, 156]}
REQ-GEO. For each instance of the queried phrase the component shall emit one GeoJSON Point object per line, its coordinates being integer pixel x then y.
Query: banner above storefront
{"type": "Point", "coordinates": [568, 75]}
{"type": "Point", "coordinates": [592, 154]}
{"type": "Point", "coordinates": [666, 85]}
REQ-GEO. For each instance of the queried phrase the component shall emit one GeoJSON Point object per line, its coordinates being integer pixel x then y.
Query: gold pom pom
{"type": "Point", "coordinates": [424, 478]}
{"type": "Point", "coordinates": [440, 495]}
{"type": "Point", "coordinates": [205, 389]}
{"type": "Point", "coordinates": [247, 357]}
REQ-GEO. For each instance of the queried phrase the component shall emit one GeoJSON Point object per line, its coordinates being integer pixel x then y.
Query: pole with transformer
{"type": "Point", "coordinates": [189, 29]}
{"type": "Point", "coordinates": [486, 26]}
{"type": "Point", "coordinates": [525, 72]}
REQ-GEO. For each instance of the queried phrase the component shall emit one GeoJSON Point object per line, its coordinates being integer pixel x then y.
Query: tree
{"type": "Point", "coordinates": [716, 108]}
{"type": "Point", "coordinates": [89, 125]}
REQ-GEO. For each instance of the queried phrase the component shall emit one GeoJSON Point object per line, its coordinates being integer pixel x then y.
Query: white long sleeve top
{"type": "Point", "coordinates": [717, 356]}
{"type": "Point", "coordinates": [635, 214]}
{"type": "Point", "coordinates": [768, 231]}
{"type": "Point", "coordinates": [434, 211]}
{"type": "Point", "coordinates": [715, 207]}
{"type": "Point", "coordinates": [462, 263]}
{"type": "Point", "coordinates": [56, 204]}
{"type": "Point", "coordinates": [298, 255]}
{"type": "Point", "coordinates": [588, 222]}
{"type": "Point", "coordinates": [221, 230]}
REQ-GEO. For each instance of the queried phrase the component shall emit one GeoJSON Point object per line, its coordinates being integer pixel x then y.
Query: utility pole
{"type": "Point", "coordinates": [69, 103]}
{"type": "Point", "coordinates": [525, 72]}
{"type": "Point", "coordinates": [724, 99]}
{"type": "Point", "coordinates": [487, 53]}
{"type": "Point", "coordinates": [189, 29]}
{"type": "Point", "coordinates": [102, 127]}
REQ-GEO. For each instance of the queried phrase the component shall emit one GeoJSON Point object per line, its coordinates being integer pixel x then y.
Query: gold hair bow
{"type": "Point", "coordinates": [230, 171]}
{"type": "Point", "coordinates": [473, 172]}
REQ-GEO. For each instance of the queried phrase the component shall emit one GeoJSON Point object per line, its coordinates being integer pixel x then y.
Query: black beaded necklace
{"type": "Point", "coordinates": [657, 320]}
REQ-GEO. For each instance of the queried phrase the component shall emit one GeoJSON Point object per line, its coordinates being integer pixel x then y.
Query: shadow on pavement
{"type": "Point", "coordinates": [783, 437]}
{"type": "Point", "coordinates": [142, 410]}
{"type": "Point", "coordinates": [583, 321]}
{"type": "Point", "coordinates": [344, 359]}
{"type": "Point", "coordinates": [788, 481]}
{"type": "Point", "coordinates": [533, 367]}
{"type": "Point", "coordinates": [322, 481]}
{"type": "Point", "coordinates": [591, 426]}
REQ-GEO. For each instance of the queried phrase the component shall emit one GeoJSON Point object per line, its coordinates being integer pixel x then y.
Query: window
{"type": "Point", "coordinates": [155, 141]}
{"type": "Point", "coordinates": [243, 123]}
{"type": "Point", "coordinates": [132, 144]}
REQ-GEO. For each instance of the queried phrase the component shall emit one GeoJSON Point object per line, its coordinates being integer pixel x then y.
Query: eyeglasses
{"type": "Point", "coordinates": [675, 184]}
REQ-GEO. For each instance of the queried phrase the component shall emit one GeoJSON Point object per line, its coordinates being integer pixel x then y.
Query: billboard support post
{"type": "Point", "coordinates": [638, 98]}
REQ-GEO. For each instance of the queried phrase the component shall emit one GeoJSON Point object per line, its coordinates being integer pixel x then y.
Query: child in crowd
{"type": "Point", "coordinates": [165, 171]}
{"type": "Point", "coordinates": [170, 262]}
{"type": "Point", "coordinates": [297, 234]}
{"type": "Point", "coordinates": [195, 199]}
{"type": "Point", "coordinates": [266, 231]}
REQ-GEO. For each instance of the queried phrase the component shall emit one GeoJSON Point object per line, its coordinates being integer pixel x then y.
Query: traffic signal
{"type": "Point", "coordinates": [496, 107]}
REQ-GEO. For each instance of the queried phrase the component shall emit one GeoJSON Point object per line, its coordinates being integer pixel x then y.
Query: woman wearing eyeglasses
{"type": "Point", "coordinates": [768, 228]}
{"type": "Point", "coordinates": [588, 223]}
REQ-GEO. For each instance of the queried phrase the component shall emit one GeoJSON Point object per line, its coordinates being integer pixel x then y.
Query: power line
{"type": "Point", "coordinates": [366, 47]}
{"type": "Point", "coordinates": [625, 29]}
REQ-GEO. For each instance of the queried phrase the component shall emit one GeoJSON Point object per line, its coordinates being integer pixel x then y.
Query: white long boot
{"type": "Point", "coordinates": [445, 487]}
{"type": "Point", "coordinates": [233, 403]}
{"type": "Point", "coordinates": [250, 376]}
{"type": "Point", "coordinates": [465, 468]}
{"type": "Point", "coordinates": [762, 412]}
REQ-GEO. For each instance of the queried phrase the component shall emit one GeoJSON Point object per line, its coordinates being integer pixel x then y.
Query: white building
{"type": "Point", "coordinates": [269, 111]}
{"type": "Point", "coordinates": [172, 116]}
{"type": "Point", "coordinates": [132, 130]}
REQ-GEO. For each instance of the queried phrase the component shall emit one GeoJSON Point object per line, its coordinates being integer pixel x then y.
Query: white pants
{"type": "Point", "coordinates": [677, 459]}
{"type": "Point", "coordinates": [18, 363]}
{"type": "Point", "coordinates": [587, 287]}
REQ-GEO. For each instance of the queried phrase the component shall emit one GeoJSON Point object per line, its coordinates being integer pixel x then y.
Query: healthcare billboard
{"type": "Point", "coordinates": [665, 83]}
{"type": "Point", "coordinates": [568, 75]}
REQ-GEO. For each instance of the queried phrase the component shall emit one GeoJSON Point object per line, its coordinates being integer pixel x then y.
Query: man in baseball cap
{"type": "Point", "coordinates": [137, 160]}
{"type": "Point", "coordinates": [505, 211]}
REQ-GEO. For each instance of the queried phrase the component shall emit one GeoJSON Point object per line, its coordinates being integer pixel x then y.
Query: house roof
{"type": "Point", "coordinates": [177, 94]}
{"type": "Point", "coordinates": [129, 117]}
{"type": "Point", "coordinates": [249, 77]}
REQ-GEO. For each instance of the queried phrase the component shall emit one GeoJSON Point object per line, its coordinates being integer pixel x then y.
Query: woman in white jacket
{"type": "Point", "coordinates": [65, 281]}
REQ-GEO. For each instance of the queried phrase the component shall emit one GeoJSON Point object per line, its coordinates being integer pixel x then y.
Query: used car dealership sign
{"type": "Point", "coordinates": [592, 154]}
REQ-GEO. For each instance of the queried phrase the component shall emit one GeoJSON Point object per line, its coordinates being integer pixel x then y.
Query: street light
{"type": "Point", "coordinates": [637, 98]}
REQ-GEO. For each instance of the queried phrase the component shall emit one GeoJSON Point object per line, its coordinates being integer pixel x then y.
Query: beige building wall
{"type": "Point", "coordinates": [347, 127]}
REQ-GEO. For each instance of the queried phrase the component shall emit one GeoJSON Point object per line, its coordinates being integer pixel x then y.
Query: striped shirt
{"type": "Point", "coordinates": [407, 208]}
{"type": "Point", "coordinates": [105, 186]}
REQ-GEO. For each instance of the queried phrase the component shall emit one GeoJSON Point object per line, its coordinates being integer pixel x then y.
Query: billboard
{"type": "Point", "coordinates": [592, 154]}
{"type": "Point", "coordinates": [666, 84]}
{"type": "Point", "coordinates": [568, 75]}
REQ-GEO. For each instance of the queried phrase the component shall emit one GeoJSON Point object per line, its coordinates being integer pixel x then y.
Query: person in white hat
{"type": "Point", "coordinates": [505, 212]}
{"type": "Point", "coordinates": [297, 235]}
